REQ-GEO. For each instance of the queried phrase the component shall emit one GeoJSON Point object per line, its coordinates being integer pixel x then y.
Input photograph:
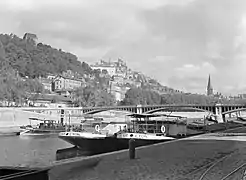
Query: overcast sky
{"type": "Point", "coordinates": [178, 42]}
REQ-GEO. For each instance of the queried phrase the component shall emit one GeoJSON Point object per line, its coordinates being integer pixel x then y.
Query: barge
{"type": "Point", "coordinates": [46, 127]}
{"type": "Point", "coordinates": [116, 136]}
{"type": "Point", "coordinates": [19, 173]}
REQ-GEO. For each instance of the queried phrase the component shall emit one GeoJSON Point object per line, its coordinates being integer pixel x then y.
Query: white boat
{"type": "Point", "coordinates": [116, 136]}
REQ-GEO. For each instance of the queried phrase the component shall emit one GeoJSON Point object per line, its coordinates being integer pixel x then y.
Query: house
{"type": "Point", "coordinates": [51, 76]}
{"type": "Point", "coordinates": [66, 83]}
{"type": "Point", "coordinates": [118, 79]}
{"type": "Point", "coordinates": [118, 91]}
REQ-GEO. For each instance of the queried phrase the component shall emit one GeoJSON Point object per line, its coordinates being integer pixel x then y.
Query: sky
{"type": "Point", "coordinates": [177, 42]}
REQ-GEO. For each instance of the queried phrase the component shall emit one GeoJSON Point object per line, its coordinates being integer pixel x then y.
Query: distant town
{"type": "Point", "coordinates": [113, 77]}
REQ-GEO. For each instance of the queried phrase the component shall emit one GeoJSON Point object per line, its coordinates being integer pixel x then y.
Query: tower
{"type": "Point", "coordinates": [209, 87]}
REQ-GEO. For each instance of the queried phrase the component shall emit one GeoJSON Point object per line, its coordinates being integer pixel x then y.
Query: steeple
{"type": "Point", "coordinates": [209, 87]}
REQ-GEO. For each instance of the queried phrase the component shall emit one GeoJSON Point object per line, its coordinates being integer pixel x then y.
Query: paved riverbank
{"type": "Point", "coordinates": [175, 160]}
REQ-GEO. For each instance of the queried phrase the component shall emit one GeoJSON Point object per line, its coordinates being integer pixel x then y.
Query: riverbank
{"type": "Point", "coordinates": [173, 160]}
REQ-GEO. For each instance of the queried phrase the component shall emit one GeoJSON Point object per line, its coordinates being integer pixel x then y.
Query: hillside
{"type": "Point", "coordinates": [31, 60]}
{"type": "Point", "coordinates": [34, 60]}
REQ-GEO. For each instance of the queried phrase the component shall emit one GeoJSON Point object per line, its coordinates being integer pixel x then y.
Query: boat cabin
{"type": "Point", "coordinates": [47, 124]}
{"type": "Point", "coordinates": [151, 123]}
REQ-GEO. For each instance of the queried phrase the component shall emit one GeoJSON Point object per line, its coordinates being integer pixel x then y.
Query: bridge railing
{"type": "Point", "coordinates": [121, 107]}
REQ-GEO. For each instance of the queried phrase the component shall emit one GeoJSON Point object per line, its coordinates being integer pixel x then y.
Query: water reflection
{"type": "Point", "coordinates": [29, 150]}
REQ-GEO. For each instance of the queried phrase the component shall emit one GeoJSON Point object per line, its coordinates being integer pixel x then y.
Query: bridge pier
{"type": "Point", "coordinates": [139, 109]}
{"type": "Point", "coordinates": [238, 113]}
{"type": "Point", "coordinates": [218, 112]}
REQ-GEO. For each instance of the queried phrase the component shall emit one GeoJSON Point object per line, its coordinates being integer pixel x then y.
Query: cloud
{"type": "Point", "coordinates": [189, 84]}
{"type": "Point", "coordinates": [177, 42]}
{"type": "Point", "coordinates": [194, 27]}
{"type": "Point", "coordinates": [202, 31]}
{"type": "Point", "coordinates": [195, 70]}
{"type": "Point", "coordinates": [191, 77]}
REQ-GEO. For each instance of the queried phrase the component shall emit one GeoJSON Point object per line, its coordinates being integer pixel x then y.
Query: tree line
{"type": "Point", "coordinates": [17, 90]}
{"type": "Point", "coordinates": [38, 60]}
{"type": "Point", "coordinates": [22, 62]}
{"type": "Point", "coordinates": [92, 96]}
{"type": "Point", "coordinates": [135, 96]}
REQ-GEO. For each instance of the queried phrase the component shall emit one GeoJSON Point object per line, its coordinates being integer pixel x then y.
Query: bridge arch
{"type": "Point", "coordinates": [178, 108]}
{"type": "Point", "coordinates": [104, 110]}
{"type": "Point", "coordinates": [234, 110]}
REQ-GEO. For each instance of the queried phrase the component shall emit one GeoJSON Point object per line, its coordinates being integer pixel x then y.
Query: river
{"type": "Point", "coordinates": [41, 150]}
{"type": "Point", "coordinates": [29, 150]}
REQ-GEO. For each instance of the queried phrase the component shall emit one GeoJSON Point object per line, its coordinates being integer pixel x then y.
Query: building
{"type": "Point", "coordinates": [242, 96]}
{"type": "Point", "coordinates": [66, 83]}
{"type": "Point", "coordinates": [51, 100]}
{"type": "Point", "coordinates": [30, 36]}
{"type": "Point", "coordinates": [209, 87]}
{"type": "Point", "coordinates": [118, 79]}
{"type": "Point", "coordinates": [118, 91]}
{"type": "Point", "coordinates": [133, 83]}
{"type": "Point", "coordinates": [118, 68]}
{"type": "Point", "coordinates": [51, 76]}
{"type": "Point", "coordinates": [109, 68]}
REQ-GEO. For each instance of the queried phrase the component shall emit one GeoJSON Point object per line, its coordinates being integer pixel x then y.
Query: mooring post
{"type": "Point", "coordinates": [132, 148]}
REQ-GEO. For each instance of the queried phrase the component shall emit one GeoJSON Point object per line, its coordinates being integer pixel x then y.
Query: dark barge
{"type": "Point", "coordinates": [21, 173]}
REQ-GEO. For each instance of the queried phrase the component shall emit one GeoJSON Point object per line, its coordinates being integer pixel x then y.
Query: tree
{"type": "Point", "coordinates": [34, 61]}
{"type": "Point", "coordinates": [32, 88]}
{"type": "Point", "coordinates": [91, 96]}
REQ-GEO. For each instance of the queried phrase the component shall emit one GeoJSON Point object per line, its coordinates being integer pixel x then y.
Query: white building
{"type": "Point", "coordinates": [110, 69]}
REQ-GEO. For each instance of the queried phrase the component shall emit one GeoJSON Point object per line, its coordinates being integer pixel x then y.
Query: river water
{"type": "Point", "coordinates": [41, 150]}
{"type": "Point", "coordinates": [29, 150]}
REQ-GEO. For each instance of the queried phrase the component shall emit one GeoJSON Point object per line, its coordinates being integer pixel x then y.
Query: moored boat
{"type": "Point", "coordinates": [46, 127]}
{"type": "Point", "coordinates": [116, 136]}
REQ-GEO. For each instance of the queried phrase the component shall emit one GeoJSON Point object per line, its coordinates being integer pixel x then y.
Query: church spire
{"type": "Point", "coordinates": [209, 87]}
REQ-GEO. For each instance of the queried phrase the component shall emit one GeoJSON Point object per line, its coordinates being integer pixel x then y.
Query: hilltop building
{"type": "Point", "coordinates": [30, 37]}
{"type": "Point", "coordinates": [209, 87]}
{"type": "Point", "coordinates": [118, 68]}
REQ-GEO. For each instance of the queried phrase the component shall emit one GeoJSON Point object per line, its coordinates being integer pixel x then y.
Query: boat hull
{"type": "Point", "coordinates": [33, 132]}
{"type": "Point", "coordinates": [92, 146]}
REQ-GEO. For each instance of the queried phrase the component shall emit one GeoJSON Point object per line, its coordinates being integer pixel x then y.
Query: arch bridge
{"type": "Point", "coordinates": [219, 110]}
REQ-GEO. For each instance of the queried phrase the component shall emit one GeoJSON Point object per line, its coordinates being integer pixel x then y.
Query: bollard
{"type": "Point", "coordinates": [132, 148]}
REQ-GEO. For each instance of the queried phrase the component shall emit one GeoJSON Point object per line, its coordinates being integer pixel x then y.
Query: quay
{"type": "Point", "coordinates": [184, 159]}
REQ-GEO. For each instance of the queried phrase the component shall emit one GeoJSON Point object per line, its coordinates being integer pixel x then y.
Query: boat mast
{"type": "Point", "coordinates": [146, 127]}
